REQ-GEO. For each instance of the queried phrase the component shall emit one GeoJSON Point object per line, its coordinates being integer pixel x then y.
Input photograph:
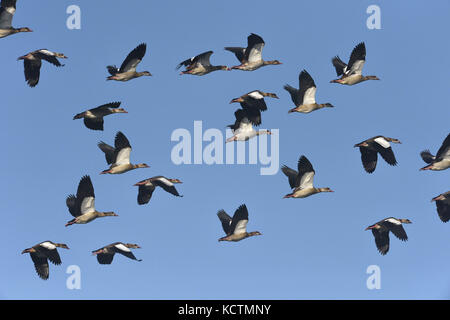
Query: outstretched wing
{"type": "Point", "coordinates": [291, 174]}
{"type": "Point", "coordinates": [226, 220]}
{"type": "Point", "coordinates": [134, 58]}
{"type": "Point", "coordinates": [238, 52]}
{"type": "Point", "coordinates": [253, 52]}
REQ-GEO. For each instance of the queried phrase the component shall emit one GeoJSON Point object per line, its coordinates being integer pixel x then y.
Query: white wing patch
{"type": "Point", "coordinates": [166, 182]}
{"type": "Point", "coordinates": [393, 221]}
{"type": "Point", "coordinates": [241, 227]}
{"type": "Point", "coordinates": [307, 180]}
{"type": "Point", "coordinates": [48, 245]}
{"type": "Point", "coordinates": [10, 10]}
{"type": "Point", "coordinates": [123, 157]}
{"type": "Point", "coordinates": [357, 67]}
{"type": "Point", "coordinates": [310, 96]}
{"type": "Point", "coordinates": [382, 142]}
{"type": "Point", "coordinates": [46, 52]}
{"type": "Point", "coordinates": [255, 54]}
{"type": "Point", "coordinates": [87, 205]}
{"type": "Point", "coordinates": [121, 247]}
{"type": "Point", "coordinates": [256, 95]}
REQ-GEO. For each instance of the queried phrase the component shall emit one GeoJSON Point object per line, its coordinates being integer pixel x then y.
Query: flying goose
{"type": "Point", "coordinates": [32, 64]}
{"type": "Point", "coordinates": [352, 73]}
{"type": "Point", "coordinates": [251, 57]}
{"type": "Point", "coordinates": [243, 129]}
{"type": "Point", "coordinates": [255, 98]}
{"type": "Point", "coordinates": [41, 253]}
{"type": "Point", "coordinates": [369, 149]}
{"type": "Point", "coordinates": [443, 206]}
{"type": "Point", "coordinates": [7, 10]}
{"type": "Point", "coordinates": [304, 98]}
{"type": "Point", "coordinates": [127, 70]}
{"type": "Point", "coordinates": [106, 254]}
{"type": "Point", "coordinates": [380, 231]}
{"type": "Point", "coordinates": [119, 157]}
{"type": "Point", "coordinates": [236, 228]}
{"type": "Point", "coordinates": [302, 181]}
{"type": "Point", "coordinates": [200, 65]}
{"type": "Point", "coordinates": [93, 118]}
{"type": "Point", "coordinates": [147, 186]}
{"type": "Point", "coordinates": [82, 206]}
{"type": "Point", "coordinates": [442, 159]}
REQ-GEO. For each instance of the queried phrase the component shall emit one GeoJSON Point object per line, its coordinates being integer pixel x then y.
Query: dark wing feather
{"type": "Point", "coordinates": [112, 70]}
{"type": "Point", "coordinates": [444, 149]}
{"type": "Point", "coordinates": [339, 65]}
{"type": "Point", "coordinates": [104, 109]}
{"type": "Point", "coordinates": [239, 114]}
{"type": "Point", "coordinates": [303, 166]}
{"type": "Point", "coordinates": [169, 189]}
{"type": "Point", "coordinates": [238, 52]}
{"type": "Point", "coordinates": [133, 58]}
{"type": "Point", "coordinates": [381, 240]}
{"type": "Point", "coordinates": [443, 209]}
{"type": "Point", "coordinates": [105, 258]}
{"type": "Point", "coordinates": [295, 94]}
{"type": "Point", "coordinates": [386, 153]}
{"type": "Point", "coordinates": [254, 42]}
{"type": "Point", "coordinates": [73, 205]}
{"type": "Point", "coordinates": [41, 265]}
{"type": "Point", "coordinates": [49, 58]}
{"type": "Point", "coordinates": [427, 157]}
{"type": "Point", "coordinates": [110, 152]}
{"type": "Point", "coordinates": [291, 174]}
{"type": "Point", "coordinates": [240, 214]}
{"type": "Point", "coordinates": [145, 194]}
{"type": "Point", "coordinates": [94, 123]}
{"type": "Point", "coordinates": [52, 255]}
{"type": "Point", "coordinates": [369, 159]}
{"type": "Point", "coordinates": [358, 53]}
{"type": "Point", "coordinates": [251, 113]}
{"type": "Point", "coordinates": [32, 69]}
{"type": "Point", "coordinates": [121, 142]}
{"type": "Point", "coordinates": [305, 82]}
{"type": "Point", "coordinates": [85, 189]}
{"type": "Point", "coordinates": [396, 229]}
{"type": "Point", "coordinates": [226, 220]}
{"type": "Point", "coordinates": [126, 254]}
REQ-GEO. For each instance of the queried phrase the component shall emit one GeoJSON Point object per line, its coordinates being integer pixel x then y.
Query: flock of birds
{"type": "Point", "coordinates": [82, 205]}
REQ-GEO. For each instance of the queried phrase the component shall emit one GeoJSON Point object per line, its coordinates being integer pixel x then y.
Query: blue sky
{"type": "Point", "coordinates": [314, 248]}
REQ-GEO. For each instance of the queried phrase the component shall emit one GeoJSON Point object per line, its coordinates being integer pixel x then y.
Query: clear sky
{"type": "Point", "coordinates": [314, 248]}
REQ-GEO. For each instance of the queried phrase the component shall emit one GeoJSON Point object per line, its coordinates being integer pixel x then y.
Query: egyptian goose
{"type": "Point", "coordinates": [41, 253]}
{"type": "Point", "coordinates": [243, 129]}
{"type": "Point", "coordinates": [200, 65]}
{"type": "Point", "coordinates": [302, 181]}
{"type": "Point", "coordinates": [127, 70]}
{"type": "Point", "coordinates": [442, 159]}
{"type": "Point", "coordinates": [119, 156]}
{"type": "Point", "coordinates": [32, 64]}
{"type": "Point", "coordinates": [7, 10]}
{"type": "Point", "coordinates": [380, 231]}
{"type": "Point", "coordinates": [443, 206]}
{"type": "Point", "coordinates": [304, 98]}
{"type": "Point", "coordinates": [105, 255]}
{"type": "Point", "coordinates": [147, 186]}
{"type": "Point", "coordinates": [255, 98]}
{"type": "Point", "coordinates": [371, 147]}
{"type": "Point", "coordinates": [93, 118]}
{"type": "Point", "coordinates": [251, 57]}
{"type": "Point", "coordinates": [82, 206]}
{"type": "Point", "coordinates": [236, 228]}
{"type": "Point", "coordinates": [352, 73]}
